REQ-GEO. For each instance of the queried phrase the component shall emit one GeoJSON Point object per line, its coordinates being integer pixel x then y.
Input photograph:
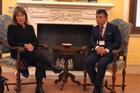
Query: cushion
{"type": "Point", "coordinates": [125, 29]}
{"type": "Point", "coordinates": [5, 20]}
{"type": "Point", "coordinates": [120, 64]}
{"type": "Point", "coordinates": [8, 61]}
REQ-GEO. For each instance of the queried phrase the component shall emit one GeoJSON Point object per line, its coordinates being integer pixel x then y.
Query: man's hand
{"type": "Point", "coordinates": [98, 50]}
{"type": "Point", "coordinates": [29, 47]}
{"type": "Point", "coordinates": [101, 50]}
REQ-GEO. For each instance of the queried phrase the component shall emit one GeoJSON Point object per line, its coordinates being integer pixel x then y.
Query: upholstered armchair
{"type": "Point", "coordinates": [119, 60]}
{"type": "Point", "coordinates": [5, 20]}
{"type": "Point", "coordinates": [7, 60]}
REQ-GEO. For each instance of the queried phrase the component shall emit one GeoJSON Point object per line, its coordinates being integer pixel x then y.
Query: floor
{"type": "Point", "coordinates": [49, 86]}
{"type": "Point", "coordinates": [132, 81]}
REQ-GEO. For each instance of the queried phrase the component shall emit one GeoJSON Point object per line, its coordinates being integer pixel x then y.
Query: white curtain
{"type": "Point", "coordinates": [138, 14]}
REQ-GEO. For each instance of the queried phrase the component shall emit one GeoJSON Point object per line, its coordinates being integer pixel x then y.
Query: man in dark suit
{"type": "Point", "coordinates": [104, 38]}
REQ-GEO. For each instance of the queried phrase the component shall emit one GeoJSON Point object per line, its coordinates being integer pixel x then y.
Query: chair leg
{"type": "Point", "coordinates": [123, 79]}
{"type": "Point", "coordinates": [85, 78]}
{"type": "Point", "coordinates": [114, 75]}
{"type": "Point", "coordinates": [113, 84]}
{"type": "Point", "coordinates": [18, 81]}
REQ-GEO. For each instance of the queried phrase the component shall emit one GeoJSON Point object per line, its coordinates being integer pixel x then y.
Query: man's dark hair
{"type": "Point", "coordinates": [102, 11]}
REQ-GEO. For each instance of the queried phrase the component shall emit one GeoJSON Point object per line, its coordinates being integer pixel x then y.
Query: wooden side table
{"type": "Point", "coordinates": [67, 53]}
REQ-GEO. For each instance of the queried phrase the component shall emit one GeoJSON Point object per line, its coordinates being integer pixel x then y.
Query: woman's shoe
{"type": "Point", "coordinates": [56, 69]}
{"type": "Point", "coordinates": [25, 72]}
{"type": "Point", "coordinates": [24, 69]}
{"type": "Point", "coordinates": [39, 88]}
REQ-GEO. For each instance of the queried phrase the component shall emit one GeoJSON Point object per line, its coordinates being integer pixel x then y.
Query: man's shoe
{"type": "Point", "coordinates": [39, 88]}
{"type": "Point", "coordinates": [101, 90]}
{"type": "Point", "coordinates": [56, 69]}
{"type": "Point", "coordinates": [96, 90]}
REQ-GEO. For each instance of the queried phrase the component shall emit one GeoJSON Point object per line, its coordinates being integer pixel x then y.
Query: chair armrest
{"type": "Point", "coordinates": [84, 47]}
{"type": "Point", "coordinates": [85, 50]}
{"type": "Point", "coordinates": [117, 51]}
{"type": "Point", "coordinates": [22, 49]}
{"type": "Point", "coordinates": [120, 50]}
{"type": "Point", "coordinates": [44, 46]}
{"type": "Point", "coordinates": [19, 48]}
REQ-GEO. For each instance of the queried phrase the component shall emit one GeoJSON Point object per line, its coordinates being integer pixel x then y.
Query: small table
{"type": "Point", "coordinates": [66, 53]}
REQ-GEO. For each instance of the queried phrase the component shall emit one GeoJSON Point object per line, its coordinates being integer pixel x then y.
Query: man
{"type": "Point", "coordinates": [104, 38]}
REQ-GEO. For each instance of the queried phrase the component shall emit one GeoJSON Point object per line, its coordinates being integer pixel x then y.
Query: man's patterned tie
{"type": "Point", "coordinates": [101, 32]}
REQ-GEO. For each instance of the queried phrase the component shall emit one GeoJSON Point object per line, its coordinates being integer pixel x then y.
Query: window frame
{"type": "Point", "coordinates": [132, 16]}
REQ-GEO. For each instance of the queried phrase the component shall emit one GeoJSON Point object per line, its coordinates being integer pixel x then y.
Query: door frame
{"type": "Point", "coordinates": [132, 16]}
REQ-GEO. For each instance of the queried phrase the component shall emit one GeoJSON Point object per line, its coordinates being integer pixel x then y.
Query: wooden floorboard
{"type": "Point", "coordinates": [132, 81]}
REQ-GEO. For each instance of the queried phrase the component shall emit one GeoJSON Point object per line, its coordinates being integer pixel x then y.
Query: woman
{"type": "Point", "coordinates": [20, 33]}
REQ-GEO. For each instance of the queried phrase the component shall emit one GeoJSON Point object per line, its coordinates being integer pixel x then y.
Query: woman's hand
{"type": "Point", "coordinates": [29, 47]}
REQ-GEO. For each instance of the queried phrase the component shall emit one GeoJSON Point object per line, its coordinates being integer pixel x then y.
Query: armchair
{"type": "Point", "coordinates": [119, 60]}
{"type": "Point", "coordinates": [5, 20]}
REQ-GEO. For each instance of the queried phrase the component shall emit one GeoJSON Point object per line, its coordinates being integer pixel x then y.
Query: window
{"type": "Point", "coordinates": [134, 15]}
{"type": "Point", "coordinates": [138, 14]}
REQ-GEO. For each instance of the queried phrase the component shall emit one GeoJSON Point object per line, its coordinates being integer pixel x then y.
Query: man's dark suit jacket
{"type": "Point", "coordinates": [112, 37]}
